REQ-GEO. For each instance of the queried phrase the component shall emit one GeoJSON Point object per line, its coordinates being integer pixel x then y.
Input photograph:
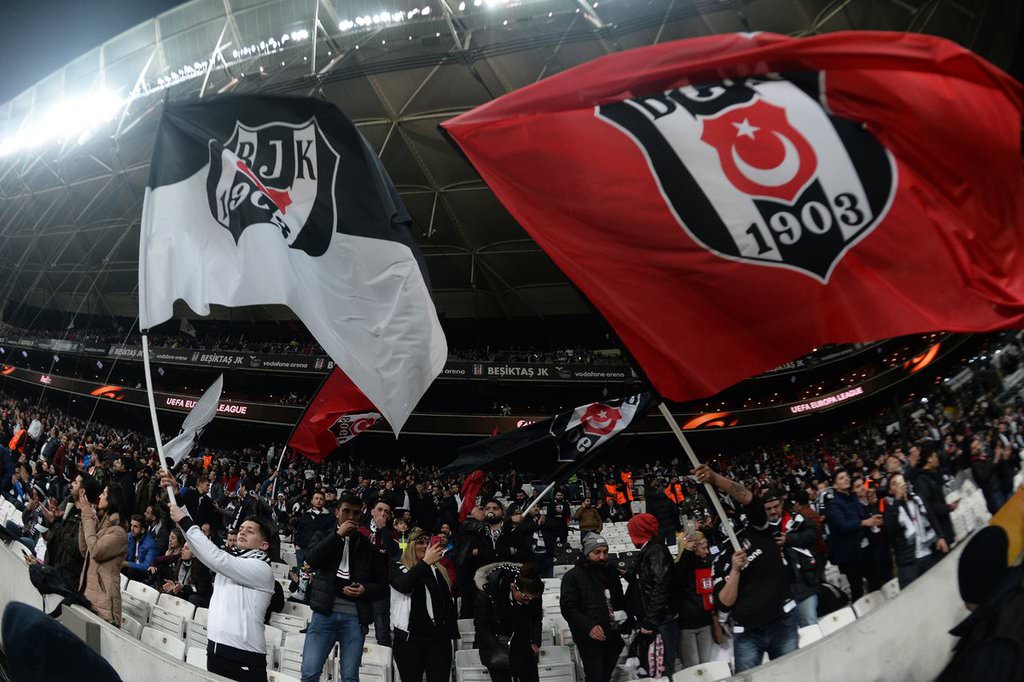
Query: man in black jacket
{"type": "Point", "coordinates": [753, 584]}
{"type": "Point", "coordinates": [928, 485]}
{"type": "Point", "coordinates": [657, 603]}
{"type": "Point", "coordinates": [665, 511]}
{"type": "Point", "coordinates": [796, 537]}
{"type": "Point", "coordinates": [201, 505]}
{"type": "Point", "coordinates": [591, 595]}
{"type": "Point", "coordinates": [314, 522]}
{"type": "Point", "coordinates": [349, 577]}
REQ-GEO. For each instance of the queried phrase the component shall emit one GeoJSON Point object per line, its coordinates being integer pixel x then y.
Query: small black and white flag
{"type": "Point", "coordinates": [257, 200]}
{"type": "Point", "coordinates": [186, 328]}
{"type": "Point", "coordinates": [160, 371]}
{"type": "Point", "coordinates": [555, 447]}
{"type": "Point", "coordinates": [99, 364]}
{"type": "Point", "coordinates": [24, 354]}
{"type": "Point", "coordinates": [56, 358]}
{"type": "Point", "coordinates": [202, 413]}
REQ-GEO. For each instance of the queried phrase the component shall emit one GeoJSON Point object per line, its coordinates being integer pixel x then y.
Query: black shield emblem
{"type": "Point", "coordinates": [760, 171]}
{"type": "Point", "coordinates": [280, 174]}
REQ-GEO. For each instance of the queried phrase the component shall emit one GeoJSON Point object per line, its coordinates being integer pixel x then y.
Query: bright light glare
{"type": "Point", "coordinates": [75, 117]}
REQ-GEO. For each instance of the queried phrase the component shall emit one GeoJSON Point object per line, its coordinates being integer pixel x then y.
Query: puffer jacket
{"type": "Point", "coordinates": [365, 567]}
{"type": "Point", "coordinates": [103, 548]}
{"type": "Point", "coordinates": [496, 615]}
{"type": "Point", "coordinates": [582, 599]}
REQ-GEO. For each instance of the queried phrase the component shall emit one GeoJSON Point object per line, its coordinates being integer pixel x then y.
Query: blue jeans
{"type": "Point", "coordinates": [321, 635]}
{"type": "Point", "coordinates": [382, 621]}
{"type": "Point", "coordinates": [807, 611]}
{"type": "Point", "coordinates": [777, 638]}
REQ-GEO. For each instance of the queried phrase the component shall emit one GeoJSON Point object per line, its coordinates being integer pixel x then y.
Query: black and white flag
{"type": "Point", "coordinates": [555, 447]}
{"type": "Point", "coordinates": [202, 413]}
{"type": "Point", "coordinates": [258, 200]}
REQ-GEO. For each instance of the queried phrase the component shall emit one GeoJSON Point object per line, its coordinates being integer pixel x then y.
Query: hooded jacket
{"type": "Point", "coordinates": [496, 614]}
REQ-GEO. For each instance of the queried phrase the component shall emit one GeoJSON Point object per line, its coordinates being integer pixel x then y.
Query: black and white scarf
{"type": "Point", "coordinates": [249, 554]}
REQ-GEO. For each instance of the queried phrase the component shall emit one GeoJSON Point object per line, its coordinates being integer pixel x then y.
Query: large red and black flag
{"type": "Point", "coordinates": [259, 200]}
{"type": "Point", "coordinates": [731, 202]}
{"type": "Point", "coordinates": [554, 448]}
{"type": "Point", "coordinates": [337, 413]}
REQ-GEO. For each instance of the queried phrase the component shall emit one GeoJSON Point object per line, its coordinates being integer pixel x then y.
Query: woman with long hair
{"type": "Point", "coordinates": [423, 611]}
{"type": "Point", "coordinates": [698, 625]}
{"type": "Point", "coordinates": [104, 545]}
{"type": "Point", "coordinates": [190, 579]}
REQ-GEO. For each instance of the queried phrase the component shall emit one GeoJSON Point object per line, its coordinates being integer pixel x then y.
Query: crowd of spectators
{"type": "Point", "coordinates": [869, 501]}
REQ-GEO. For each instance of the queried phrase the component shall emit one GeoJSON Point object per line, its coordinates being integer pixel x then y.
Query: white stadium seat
{"type": "Point", "coordinates": [705, 672]}
{"type": "Point", "coordinates": [142, 592]}
{"type": "Point", "coordinates": [836, 620]}
{"type": "Point", "coordinates": [166, 621]}
{"type": "Point", "coordinates": [163, 642]}
{"type": "Point", "coordinates": [182, 607]}
{"type": "Point", "coordinates": [868, 603]}
{"type": "Point", "coordinates": [294, 608]}
{"type": "Point", "coordinates": [131, 626]}
{"type": "Point", "coordinates": [891, 588]}
{"type": "Point", "coordinates": [196, 657]}
{"type": "Point", "coordinates": [809, 634]}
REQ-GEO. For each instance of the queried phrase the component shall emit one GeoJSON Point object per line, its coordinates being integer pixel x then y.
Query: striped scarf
{"type": "Point", "coordinates": [249, 554]}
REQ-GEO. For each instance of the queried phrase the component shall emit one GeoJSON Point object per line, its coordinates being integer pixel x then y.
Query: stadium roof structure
{"type": "Point", "coordinates": [74, 149]}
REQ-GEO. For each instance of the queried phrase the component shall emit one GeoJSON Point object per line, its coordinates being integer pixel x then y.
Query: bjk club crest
{"type": "Point", "coordinates": [280, 174]}
{"type": "Point", "coordinates": [760, 171]}
{"type": "Point", "coordinates": [348, 426]}
{"type": "Point", "coordinates": [599, 419]}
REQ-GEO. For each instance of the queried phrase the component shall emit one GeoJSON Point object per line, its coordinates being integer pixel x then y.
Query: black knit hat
{"type": "Point", "coordinates": [983, 564]}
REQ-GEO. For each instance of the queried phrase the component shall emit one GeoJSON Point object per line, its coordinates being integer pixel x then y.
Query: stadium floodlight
{"type": "Point", "coordinates": [425, 11]}
{"type": "Point", "coordinates": [76, 117]}
{"type": "Point", "coordinates": [462, 7]}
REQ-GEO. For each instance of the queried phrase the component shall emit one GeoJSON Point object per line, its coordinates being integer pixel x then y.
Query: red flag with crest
{"type": "Point", "coordinates": [731, 202]}
{"type": "Point", "coordinates": [338, 413]}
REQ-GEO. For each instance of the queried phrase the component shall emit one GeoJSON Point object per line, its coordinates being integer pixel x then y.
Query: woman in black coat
{"type": "Point", "coordinates": [422, 611]}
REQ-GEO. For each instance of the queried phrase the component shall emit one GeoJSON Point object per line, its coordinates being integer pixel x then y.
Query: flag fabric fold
{"type": "Point", "coordinates": [553, 448]}
{"type": "Point", "coordinates": [201, 414]}
{"type": "Point", "coordinates": [259, 200]}
{"type": "Point", "coordinates": [731, 202]}
{"type": "Point", "coordinates": [337, 413]}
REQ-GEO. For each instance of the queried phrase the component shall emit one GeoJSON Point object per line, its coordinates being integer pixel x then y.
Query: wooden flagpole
{"type": "Point", "coordinates": [712, 493]}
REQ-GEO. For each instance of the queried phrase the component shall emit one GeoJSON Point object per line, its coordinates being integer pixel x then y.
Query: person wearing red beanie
{"type": "Point", "coordinates": [658, 605]}
{"type": "Point", "coordinates": [642, 528]}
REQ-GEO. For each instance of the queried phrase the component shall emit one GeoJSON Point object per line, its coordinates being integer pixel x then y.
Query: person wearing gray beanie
{"type": "Point", "coordinates": [593, 605]}
{"type": "Point", "coordinates": [592, 542]}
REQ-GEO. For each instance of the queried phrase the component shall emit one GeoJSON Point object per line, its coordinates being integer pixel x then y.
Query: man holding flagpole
{"type": "Point", "coordinates": [242, 591]}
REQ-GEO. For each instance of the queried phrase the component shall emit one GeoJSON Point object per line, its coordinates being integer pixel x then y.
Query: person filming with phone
{"type": "Point", "coordinates": [423, 610]}
{"type": "Point", "coordinates": [350, 576]}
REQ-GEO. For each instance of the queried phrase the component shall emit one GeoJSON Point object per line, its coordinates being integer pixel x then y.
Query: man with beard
{"type": "Point", "coordinates": [796, 538]}
{"type": "Point", "coordinates": [592, 603]}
